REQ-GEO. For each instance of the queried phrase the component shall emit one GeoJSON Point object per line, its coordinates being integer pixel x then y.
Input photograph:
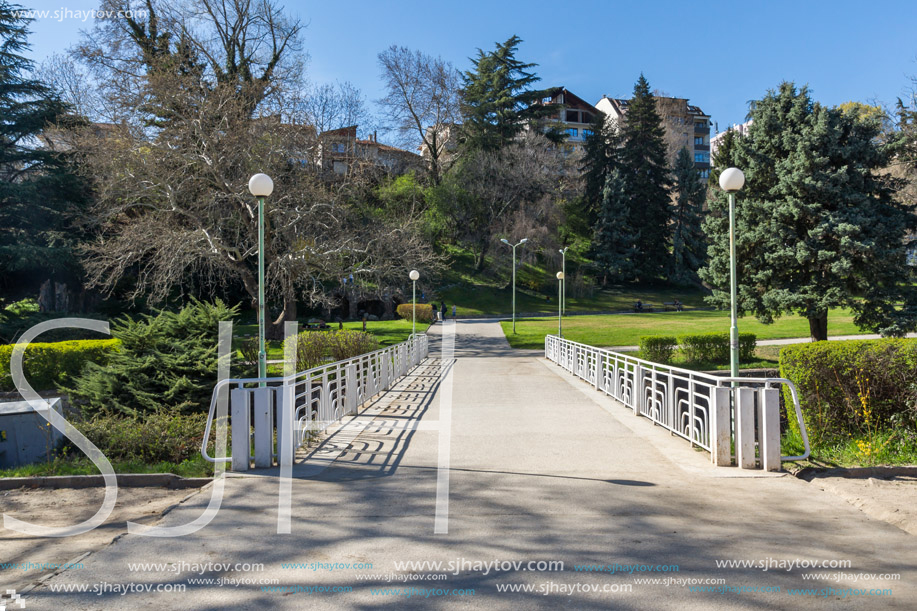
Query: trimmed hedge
{"type": "Point", "coordinates": [714, 347]}
{"type": "Point", "coordinates": [49, 365]}
{"type": "Point", "coordinates": [658, 348]}
{"type": "Point", "coordinates": [833, 378]}
{"type": "Point", "coordinates": [424, 311]}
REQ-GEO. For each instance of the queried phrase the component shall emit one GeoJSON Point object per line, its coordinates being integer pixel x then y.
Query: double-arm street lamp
{"type": "Point", "coordinates": [261, 186]}
{"type": "Point", "coordinates": [560, 318]}
{"type": "Point", "coordinates": [414, 275]}
{"type": "Point", "coordinates": [521, 242]}
{"type": "Point", "coordinates": [563, 281]}
{"type": "Point", "coordinates": [732, 180]}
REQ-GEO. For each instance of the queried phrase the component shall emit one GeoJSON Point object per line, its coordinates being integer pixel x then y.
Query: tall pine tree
{"type": "Point", "coordinates": [37, 190]}
{"type": "Point", "coordinates": [646, 181]}
{"type": "Point", "coordinates": [497, 98]}
{"type": "Point", "coordinates": [688, 243]}
{"type": "Point", "coordinates": [615, 252]}
{"type": "Point", "coordinates": [600, 153]}
{"type": "Point", "coordinates": [817, 225]}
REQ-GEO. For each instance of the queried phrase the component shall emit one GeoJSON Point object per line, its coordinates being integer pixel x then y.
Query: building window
{"type": "Point", "coordinates": [546, 100]}
{"type": "Point", "coordinates": [702, 157]}
{"type": "Point", "coordinates": [573, 132]}
{"type": "Point", "coordinates": [587, 118]}
{"type": "Point", "coordinates": [700, 125]}
{"type": "Point", "coordinates": [338, 147]}
{"type": "Point", "coordinates": [573, 116]}
{"type": "Point", "coordinates": [587, 133]}
{"type": "Point", "coordinates": [699, 140]}
{"type": "Point", "coordinates": [704, 173]}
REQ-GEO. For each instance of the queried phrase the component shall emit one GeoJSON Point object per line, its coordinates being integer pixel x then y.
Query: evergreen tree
{"type": "Point", "coordinates": [614, 235]}
{"type": "Point", "coordinates": [817, 226]}
{"type": "Point", "coordinates": [497, 101]}
{"type": "Point", "coordinates": [688, 244]}
{"type": "Point", "coordinates": [600, 150]}
{"type": "Point", "coordinates": [646, 181]}
{"type": "Point", "coordinates": [37, 189]}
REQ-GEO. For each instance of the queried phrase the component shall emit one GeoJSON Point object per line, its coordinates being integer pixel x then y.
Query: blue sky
{"type": "Point", "coordinates": [720, 55]}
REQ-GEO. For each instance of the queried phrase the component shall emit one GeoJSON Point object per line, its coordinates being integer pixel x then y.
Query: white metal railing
{"type": "Point", "coordinates": [713, 412]}
{"type": "Point", "coordinates": [319, 397]}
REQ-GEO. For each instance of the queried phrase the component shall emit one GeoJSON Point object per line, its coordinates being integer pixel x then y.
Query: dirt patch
{"type": "Point", "coordinates": [890, 497]}
{"type": "Point", "coordinates": [63, 507]}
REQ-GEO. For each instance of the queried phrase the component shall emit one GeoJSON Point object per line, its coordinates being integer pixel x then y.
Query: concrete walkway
{"type": "Point", "coordinates": [542, 469]}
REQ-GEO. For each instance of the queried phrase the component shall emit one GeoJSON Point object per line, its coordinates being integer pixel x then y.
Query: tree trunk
{"type": "Point", "coordinates": [818, 327]}
{"type": "Point", "coordinates": [481, 258]}
{"type": "Point", "coordinates": [274, 329]}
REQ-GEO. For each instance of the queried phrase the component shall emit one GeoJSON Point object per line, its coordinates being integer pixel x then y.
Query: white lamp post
{"type": "Point", "coordinates": [560, 318]}
{"type": "Point", "coordinates": [732, 180]}
{"type": "Point", "coordinates": [563, 269]}
{"type": "Point", "coordinates": [521, 242]}
{"type": "Point", "coordinates": [414, 275]}
{"type": "Point", "coordinates": [261, 186]}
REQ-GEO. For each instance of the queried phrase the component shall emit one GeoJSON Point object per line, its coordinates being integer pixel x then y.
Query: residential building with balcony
{"type": "Point", "coordinates": [686, 125]}
{"type": "Point", "coordinates": [740, 130]}
{"type": "Point", "coordinates": [574, 117]}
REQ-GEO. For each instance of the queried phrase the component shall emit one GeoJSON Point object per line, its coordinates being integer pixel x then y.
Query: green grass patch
{"type": "Point", "coordinates": [886, 447]}
{"type": "Point", "coordinates": [389, 332]}
{"type": "Point", "coordinates": [626, 329]}
{"type": "Point", "coordinates": [62, 465]}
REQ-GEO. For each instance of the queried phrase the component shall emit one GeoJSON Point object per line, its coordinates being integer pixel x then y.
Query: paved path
{"type": "Point", "coordinates": [543, 468]}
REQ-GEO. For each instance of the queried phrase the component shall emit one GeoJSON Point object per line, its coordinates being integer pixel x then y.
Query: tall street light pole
{"type": "Point", "coordinates": [563, 269]}
{"type": "Point", "coordinates": [261, 186]}
{"type": "Point", "coordinates": [732, 180]}
{"type": "Point", "coordinates": [414, 275]}
{"type": "Point", "coordinates": [521, 242]}
{"type": "Point", "coordinates": [560, 318]}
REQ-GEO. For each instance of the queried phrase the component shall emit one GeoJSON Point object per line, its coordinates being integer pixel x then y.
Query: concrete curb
{"type": "Point", "coordinates": [811, 473]}
{"type": "Point", "coordinates": [128, 480]}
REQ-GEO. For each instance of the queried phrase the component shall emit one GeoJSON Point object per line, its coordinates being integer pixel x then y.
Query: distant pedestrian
{"type": "Point", "coordinates": [442, 312]}
{"type": "Point", "coordinates": [364, 322]}
{"type": "Point", "coordinates": [453, 311]}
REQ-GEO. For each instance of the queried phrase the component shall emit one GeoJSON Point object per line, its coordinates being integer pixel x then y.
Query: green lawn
{"type": "Point", "coordinates": [627, 329]}
{"type": "Point", "coordinates": [388, 331]}
{"type": "Point", "coordinates": [490, 292]}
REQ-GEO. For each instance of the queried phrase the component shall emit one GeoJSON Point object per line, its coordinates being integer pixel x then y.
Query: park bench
{"type": "Point", "coordinates": [671, 305]}
{"type": "Point", "coordinates": [645, 307]}
{"type": "Point", "coordinates": [317, 325]}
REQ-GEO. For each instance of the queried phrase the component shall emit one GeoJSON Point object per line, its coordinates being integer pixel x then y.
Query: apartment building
{"type": "Point", "coordinates": [740, 130]}
{"type": "Point", "coordinates": [686, 125]}
{"type": "Point", "coordinates": [574, 117]}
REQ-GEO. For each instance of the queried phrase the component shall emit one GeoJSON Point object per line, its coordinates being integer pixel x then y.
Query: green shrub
{"type": "Point", "coordinates": [155, 437]}
{"type": "Point", "coordinates": [346, 344]}
{"type": "Point", "coordinates": [48, 366]}
{"type": "Point", "coordinates": [316, 347]}
{"type": "Point", "coordinates": [424, 311]}
{"type": "Point", "coordinates": [847, 387]}
{"type": "Point", "coordinates": [166, 362]}
{"type": "Point", "coordinates": [658, 348]}
{"type": "Point", "coordinates": [714, 347]}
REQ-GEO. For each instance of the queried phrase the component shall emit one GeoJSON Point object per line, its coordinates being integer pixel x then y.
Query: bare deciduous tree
{"type": "Point", "coordinates": [422, 98]}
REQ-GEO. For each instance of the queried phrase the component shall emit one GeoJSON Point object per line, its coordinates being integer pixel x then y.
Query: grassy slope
{"type": "Point", "coordinates": [626, 329]}
{"type": "Point", "coordinates": [490, 293]}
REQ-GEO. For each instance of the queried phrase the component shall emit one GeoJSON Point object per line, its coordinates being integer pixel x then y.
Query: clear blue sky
{"type": "Point", "coordinates": [718, 54]}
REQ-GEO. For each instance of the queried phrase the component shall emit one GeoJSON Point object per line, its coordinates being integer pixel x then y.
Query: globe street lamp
{"type": "Point", "coordinates": [261, 186]}
{"type": "Point", "coordinates": [560, 283]}
{"type": "Point", "coordinates": [732, 180]}
{"type": "Point", "coordinates": [414, 275]}
{"type": "Point", "coordinates": [563, 268]}
{"type": "Point", "coordinates": [521, 242]}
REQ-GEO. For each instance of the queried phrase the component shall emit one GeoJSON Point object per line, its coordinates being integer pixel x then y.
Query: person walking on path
{"type": "Point", "coordinates": [453, 311]}
{"type": "Point", "coordinates": [442, 312]}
